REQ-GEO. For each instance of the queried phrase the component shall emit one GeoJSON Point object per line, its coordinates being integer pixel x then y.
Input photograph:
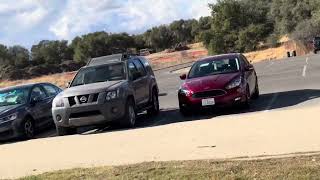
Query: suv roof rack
{"type": "Point", "coordinates": [109, 59]}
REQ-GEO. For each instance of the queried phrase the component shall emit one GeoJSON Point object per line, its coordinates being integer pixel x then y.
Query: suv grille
{"type": "Point", "coordinates": [207, 94]}
{"type": "Point", "coordinates": [83, 99]}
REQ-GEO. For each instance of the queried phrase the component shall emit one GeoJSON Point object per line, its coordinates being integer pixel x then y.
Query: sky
{"type": "Point", "coordinates": [26, 22]}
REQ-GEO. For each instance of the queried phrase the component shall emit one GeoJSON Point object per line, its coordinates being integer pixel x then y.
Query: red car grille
{"type": "Point", "coordinates": [207, 94]}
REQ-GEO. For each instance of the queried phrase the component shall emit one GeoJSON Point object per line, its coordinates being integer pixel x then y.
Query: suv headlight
{"type": "Point", "coordinates": [11, 117]}
{"type": "Point", "coordinates": [234, 83]}
{"type": "Point", "coordinates": [112, 95]}
{"type": "Point", "coordinates": [58, 103]}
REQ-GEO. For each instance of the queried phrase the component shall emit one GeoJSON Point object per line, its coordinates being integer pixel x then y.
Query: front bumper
{"type": "Point", "coordinates": [89, 114]}
{"type": "Point", "coordinates": [9, 130]}
{"type": "Point", "coordinates": [232, 97]}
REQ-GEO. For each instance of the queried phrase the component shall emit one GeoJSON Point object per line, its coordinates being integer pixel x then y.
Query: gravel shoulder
{"type": "Point", "coordinates": [247, 135]}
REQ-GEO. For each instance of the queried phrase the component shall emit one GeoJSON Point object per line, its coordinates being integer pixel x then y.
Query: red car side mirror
{"type": "Point", "coordinates": [183, 77]}
{"type": "Point", "coordinates": [249, 68]}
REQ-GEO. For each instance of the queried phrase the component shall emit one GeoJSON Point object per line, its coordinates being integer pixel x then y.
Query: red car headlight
{"type": "Point", "coordinates": [186, 92]}
{"type": "Point", "coordinates": [234, 83]}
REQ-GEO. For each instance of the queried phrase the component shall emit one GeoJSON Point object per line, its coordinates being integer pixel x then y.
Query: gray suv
{"type": "Point", "coordinates": [108, 89]}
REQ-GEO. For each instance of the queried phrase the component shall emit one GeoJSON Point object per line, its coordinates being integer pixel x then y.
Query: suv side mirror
{"type": "Point", "coordinates": [183, 77]}
{"type": "Point", "coordinates": [68, 84]}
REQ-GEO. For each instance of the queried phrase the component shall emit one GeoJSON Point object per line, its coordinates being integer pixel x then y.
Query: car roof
{"type": "Point", "coordinates": [114, 58]}
{"type": "Point", "coordinates": [21, 86]}
{"type": "Point", "coordinates": [221, 56]}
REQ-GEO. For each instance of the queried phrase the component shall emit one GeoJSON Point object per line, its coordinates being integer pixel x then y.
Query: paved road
{"type": "Point", "coordinates": [287, 83]}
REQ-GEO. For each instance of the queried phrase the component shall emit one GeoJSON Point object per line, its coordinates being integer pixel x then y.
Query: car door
{"type": "Point", "coordinates": [249, 73]}
{"type": "Point", "coordinates": [51, 92]}
{"type": "Point", "coordinates": [144, 80]}
{"type": "Point", "coordinates": [137, 82]}
{"type": "Point", "coordinates": [40, 107]}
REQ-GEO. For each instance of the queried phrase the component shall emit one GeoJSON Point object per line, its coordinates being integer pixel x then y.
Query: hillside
{"type": "Point", "coordinates": [163, 60]}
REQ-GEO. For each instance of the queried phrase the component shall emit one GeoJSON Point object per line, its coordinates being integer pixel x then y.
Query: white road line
{"type": "Point", "coordinates": [307, 60]}
{"type": "Point", "coordinates": [274, 98]}
{"type": "Point", "coordinates": [269, 65]}
{"type": "Point", "coordinates": [304, 71]}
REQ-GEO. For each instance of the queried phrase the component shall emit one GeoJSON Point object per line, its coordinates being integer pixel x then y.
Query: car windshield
{"type": "Point", "coordinates": [13, 97]}
{"type": "Point", "coordinates": [214, 67]}
{"type": "Point", "coordinates": [103, 73]}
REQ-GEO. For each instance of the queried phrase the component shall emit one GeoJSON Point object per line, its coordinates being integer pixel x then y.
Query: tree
{"type": "Point", "coordinates": [160, 38]}
{"type": "Point", "coordinates": [4, 57]}
{"type": "Point", "coordinates": [237, 26]}
{"type": "Point", "coordinates": [51, 52]}
{"type": "Point", "coordinates": [19, 56]}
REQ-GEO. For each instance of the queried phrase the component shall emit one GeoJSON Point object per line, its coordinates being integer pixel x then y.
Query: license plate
{"type": "Point", "coordinates": [208, 102]}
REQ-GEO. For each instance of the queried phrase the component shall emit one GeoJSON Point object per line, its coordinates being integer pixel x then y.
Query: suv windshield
{"type": "Point", "coordinates": [13, 97]}
{"type": "Point", "coordinates": [214, 67]}
{"type": "Point", "coordinates": [102, 73]}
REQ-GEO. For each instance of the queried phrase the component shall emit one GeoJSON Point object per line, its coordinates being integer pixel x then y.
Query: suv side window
{"type": "Point", "coordinates": [140, 67]}
{"type": "Point", "coordinates": [38, 93]}
{"type": "Point", "coordinates": [51, 90]}
{"type": "Point", "coordinates": [132, 71]}
{"type": "Point", "coordinates": [144, 61]}
{"type": "Point", "coordinates": [146, 64]}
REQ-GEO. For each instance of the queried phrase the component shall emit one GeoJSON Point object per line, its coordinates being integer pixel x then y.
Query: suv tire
{"type": "Point", "coordinates": [129, 119]}
{"type": "Point", "coordinates": [154, 110]}
{"type": "Point", "coordinates": [63, 131]}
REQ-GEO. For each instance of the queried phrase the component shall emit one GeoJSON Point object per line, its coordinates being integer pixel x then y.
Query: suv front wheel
{"type": "Point", "coordinates": [155, 108]}
{"type": "Point", "coordinates": [129, 119]}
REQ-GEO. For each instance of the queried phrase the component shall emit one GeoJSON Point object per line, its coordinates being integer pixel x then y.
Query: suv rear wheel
{"type": "Point", "coordinates": [154, 110]}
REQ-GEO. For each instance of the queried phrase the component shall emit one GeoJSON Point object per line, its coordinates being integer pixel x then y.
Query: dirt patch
{"type": "Point", "coordinates": [58, 79]}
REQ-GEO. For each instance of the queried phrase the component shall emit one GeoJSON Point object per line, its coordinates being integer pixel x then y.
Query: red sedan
{"type": "Point", "coordinates": [222, 80]}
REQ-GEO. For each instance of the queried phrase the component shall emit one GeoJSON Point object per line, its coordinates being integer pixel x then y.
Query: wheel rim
{"type": "Point", "coordinates": [28, 129]}
{"type": "Point", "coordinates": [132, 115]}
{"type": "Point", "coordinates": [155, 103]}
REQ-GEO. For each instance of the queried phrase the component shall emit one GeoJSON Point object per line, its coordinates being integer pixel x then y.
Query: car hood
{"type": "Point", "coordinates": [91, 88]}
{"type": "Point", "coordinates": [5, 109]}
{"type": "Point", "coordinates": [218, 81]}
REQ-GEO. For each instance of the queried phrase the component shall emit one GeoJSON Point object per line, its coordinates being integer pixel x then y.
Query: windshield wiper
{"type": "Point", "coordinates": [77, 85]}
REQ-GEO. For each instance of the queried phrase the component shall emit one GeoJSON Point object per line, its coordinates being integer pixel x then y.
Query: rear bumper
{"type": "Point", "coordinates": [89, 114]}
{"type": "Point", "coordinates": [231, 98]}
